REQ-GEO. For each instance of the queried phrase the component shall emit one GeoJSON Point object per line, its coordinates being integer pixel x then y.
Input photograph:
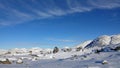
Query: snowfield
{"type": "Point", "coordinates": [102, 52]}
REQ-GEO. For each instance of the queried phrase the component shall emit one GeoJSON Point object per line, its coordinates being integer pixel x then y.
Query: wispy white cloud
{"type": "Point", "coordinates": [4, 23]}
{"type": "Point", "coordinates": [56, 12]}
{"type": "Point", "coordinates": [105, 4]}
{"type": "Point", "coordinates": [20, 11]}
{"type": "Point", "coordinates": [20, 14]}
{"type": "Point", "coordinates": [67, 40]}
{"type": "Point", "coordinates": [77, 6]}
{"type": "Point", "coordinates": [62, 40]}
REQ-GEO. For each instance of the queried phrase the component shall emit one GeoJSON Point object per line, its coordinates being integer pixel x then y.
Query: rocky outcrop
{"type": "Point", "coordinates": [5, 62]}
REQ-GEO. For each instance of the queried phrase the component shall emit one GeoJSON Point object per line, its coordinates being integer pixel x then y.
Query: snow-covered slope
{"type": "Point", "coordinates": [89, 54]}
{"type": "Point", "coordinates": [104, 41]}
{"type": "Point", "coordinates": [84, 44]}
{"type": "Point", "coordinates": [98, 43]}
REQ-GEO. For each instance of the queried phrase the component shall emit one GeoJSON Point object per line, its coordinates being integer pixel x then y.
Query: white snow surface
{"type": "Point", "coordinates": [19, 61]}
{"type": "Point", "coordinates": [84, 44]}
{"type": "Point", "coordinates": [85, 58]}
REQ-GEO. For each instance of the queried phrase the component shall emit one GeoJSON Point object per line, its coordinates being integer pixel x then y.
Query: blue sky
{"type": "Point", "coordinates": [49, 23]}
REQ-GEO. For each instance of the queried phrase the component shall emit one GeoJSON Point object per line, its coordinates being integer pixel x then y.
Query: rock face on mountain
{"type": "Point", "coordinates": [115, 39]}
{"type": "Point", "coordinates": [104, 41]}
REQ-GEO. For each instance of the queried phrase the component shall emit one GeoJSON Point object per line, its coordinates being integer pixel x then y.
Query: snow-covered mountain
{"type": "Point", "coordinates": [104, 41]}
{"type": "Point", "coordinates": [102, 48]}
{"type": "Point", "coordinates": [99, 42]}
{"type": "Point", "coordinates": [83, 45]}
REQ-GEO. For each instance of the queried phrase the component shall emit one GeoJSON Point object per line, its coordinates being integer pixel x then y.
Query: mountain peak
{"type": "Point", "coordinates": [105, 40]}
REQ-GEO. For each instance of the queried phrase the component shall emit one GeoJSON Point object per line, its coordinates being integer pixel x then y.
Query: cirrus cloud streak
{"type": "Point", "coordinates": [20, 11]}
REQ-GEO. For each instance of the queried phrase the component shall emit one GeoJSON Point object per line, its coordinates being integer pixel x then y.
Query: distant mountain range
{"type": "Point", "coordinates": [103, 42]}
